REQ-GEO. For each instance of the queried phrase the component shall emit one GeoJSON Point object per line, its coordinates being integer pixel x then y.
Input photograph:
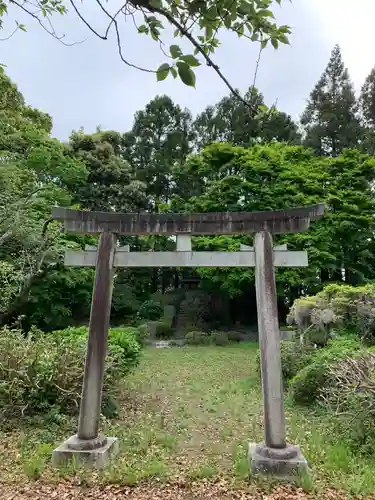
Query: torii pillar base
{"type": "Point", "coordinates": [287, 463]}
{"type": "Point", "coordinates": [91, 454]}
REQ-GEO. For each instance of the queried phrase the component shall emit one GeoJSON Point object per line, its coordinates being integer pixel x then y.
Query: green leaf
{"type": "Point", "coordinates": [175, 51]}
{"type": "Point", "coordinates": [174, 72]}
{"type": "Point", "coordinates": [275, 43]}
{"type": "Point", "coordinates": [284, 29]}
{"type": "Point", "coordinates": [283, 38]}
{"type": "Point", "coordinates": [264, 44]}
{"type": "Point", "coordinates": [227, 21]}
{"type": "Point", "coordinates": [142, 29]}
{"type": "Point", "coordinates": [162, 72]}
{"type": "Point", "coordinates": [211, 14]}
{"type": "Point", "coordinates": [240, 30]}
{"type": "Point", "coordinates": [156, 3]}
{"type": "Point", "coordinates": [209, 32]}
{"type": "Point", "coordinates": [21, 27]}
{"type": "Point", "coordinates": [186, 74]}
{"type": "Point", "coordinates": [190, 60]}
{"type": "Point", "coordinates": [255, 37]}
{"type": "Point", "coordinates": [176, 33]}
{"type": "Point", "coordinates": [245, 8]}
{"type": "Point", "coordinates": [266, 13]}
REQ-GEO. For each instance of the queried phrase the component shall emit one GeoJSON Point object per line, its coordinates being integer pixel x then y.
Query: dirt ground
{"type": "Point", "coordinates": [194, 491]}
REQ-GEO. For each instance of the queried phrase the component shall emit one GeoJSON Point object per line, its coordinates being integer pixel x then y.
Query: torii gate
{"type": "Point", "coordinates": [274, 456]}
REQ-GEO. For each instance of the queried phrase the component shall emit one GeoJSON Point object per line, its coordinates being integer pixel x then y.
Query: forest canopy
{"type": "Point", "coordinates": [223, 159]}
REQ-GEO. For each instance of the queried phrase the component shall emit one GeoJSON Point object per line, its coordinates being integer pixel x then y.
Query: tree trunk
{"type": "Point", "coordinates": [324, 276]}
{"type": "Point", "coordinates": [155, 280]}
{"type": "Point", "coordinates": [176, 279]}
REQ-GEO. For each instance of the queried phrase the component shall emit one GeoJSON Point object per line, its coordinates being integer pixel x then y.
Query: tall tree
{"type": "Point", "coordinates": [159, 140]}
{"type": "Point", "coordinates": [367, 108]}
{"type": "Point", "coordinates": [331, 116]}
{"type": "Point", "coordinates": [231, 121]}
{"type": "Point", "coordinates": [110, 184]}
{"type": "Point", "coordinates": [18, 121]}
{"type": "Point", "coordinates": [35, 174]}
{"type": "Point", "coordinates": [350, 219]}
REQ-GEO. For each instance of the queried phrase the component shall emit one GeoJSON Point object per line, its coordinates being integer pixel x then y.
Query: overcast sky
{"type": "Point", "coordinates": [88, 85]}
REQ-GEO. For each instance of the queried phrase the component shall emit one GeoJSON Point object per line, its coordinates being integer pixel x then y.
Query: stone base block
{"type": "Point", "coordinates": [92, 457]}
{"type": "Point", "coordinates": [287, 463]}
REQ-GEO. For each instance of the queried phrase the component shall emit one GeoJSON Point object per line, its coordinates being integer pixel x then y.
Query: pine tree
{"type": "Point", "coordinates": [367, 99]}
{"type": "Point", "coordinates": [367, 107]}
{"type": "Point", "coordinates": [331, 117]}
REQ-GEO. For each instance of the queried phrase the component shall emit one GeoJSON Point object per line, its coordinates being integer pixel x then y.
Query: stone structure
{"type": "Point", "coordinates": [274, 456]}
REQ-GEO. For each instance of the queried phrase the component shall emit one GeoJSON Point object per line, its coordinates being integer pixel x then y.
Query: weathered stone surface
{"type": "Point", "coordinates": [162, 344]}
{"type": "Point", "coordinates": [287, 463]}
{"type": "Point", "coordinates": [281, 221]}
{"type": "Point", "coordinates": [287, 334]}
{"type": "Point", "coordinates": [183, 243]}
{"type": "Point", "coordinates": [246, 248]}
{"type": "Point", "coordinates": [269, 339]}
{"type": "Point", "coordinates": [282, 258]}
{"type": "Point", "coordinates": [169, 313]}
{"type": "Point", "coordinates": [82, 453]}
{"type": "Point", "coordinates": [97, 341]}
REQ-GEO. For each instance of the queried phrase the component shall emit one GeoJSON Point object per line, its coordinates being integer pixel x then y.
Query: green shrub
{"type": "Point", "coordinates": [319, 337]}
{"type": "Point", "coordinates": [198, 338]}
{"type": "Point", "coordinates": [163, 330]}
{"type": "Point", "coordinates": [305, 387]}
{"type": "Point", "coordinates": [220, 338]}
{"type": "Point", "coordinates": [308, 383]}
{"type": "Point", "coordinates": [341, 345]}
{"type": "Point", "coordinates": [294, 357]}
{"type": "Point", "coordinates": [44, 374]}
{"type": "Point", "coordinates": [234, 336]}
{"type": "Point", "coordinates": [72, 332]}
{"type": "Point", "coordinates": [125, 340]}
{"type": "Point", "coordinates": [143, 334]}
{"type": "Point", "coordinates": [150, 309]}
{"type": "Point", "coordinates": [338, 306]}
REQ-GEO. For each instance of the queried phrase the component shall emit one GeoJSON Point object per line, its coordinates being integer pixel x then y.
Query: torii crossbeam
{"type": "Point", "coordinates": [292, 220]}
{"type": "Point", "coordinates": [185, 258]}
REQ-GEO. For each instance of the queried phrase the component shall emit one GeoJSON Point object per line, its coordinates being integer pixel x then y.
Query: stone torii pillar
{"type": "Point", "coordinates": [274, 456]}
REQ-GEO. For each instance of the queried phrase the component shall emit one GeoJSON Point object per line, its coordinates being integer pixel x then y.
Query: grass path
{"type": "Point", "coordinates": [186, 419]}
